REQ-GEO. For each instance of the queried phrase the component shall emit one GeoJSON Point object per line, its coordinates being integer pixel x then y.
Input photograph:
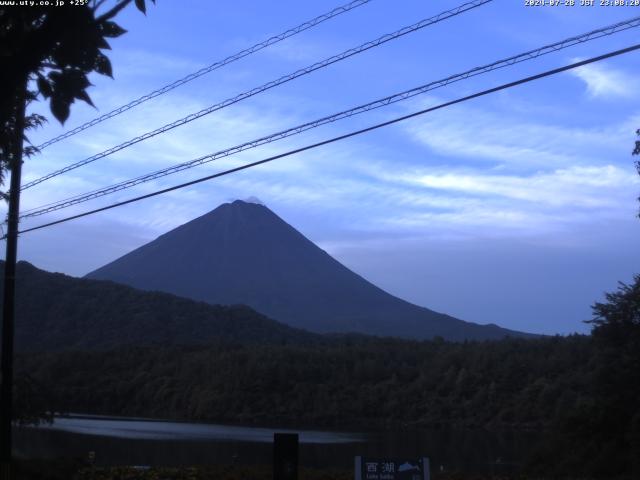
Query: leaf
{"type": "Point", "coordinates": [69, 83]}
{"type": "Point", "coordinates": [141, 6]}
{"type": "Point", "coordinates": [102, 43]}
{"type": "Point", "coordinates": [54, 75]}
{"type": "Point", "coordinates": [34, 121]}
{"type": "Point", "coordinates": [60, 108]}
{"type": "Point", "coordinates": [103, 65]}
{"type": "Point", "coordinates": [30, 151]}
{"type": "Point", "coordinates": [84, 96]}
{"type": "Point", "coordinates": [44, 86]}
{"type": "Point", "coordinates": [112, 29]}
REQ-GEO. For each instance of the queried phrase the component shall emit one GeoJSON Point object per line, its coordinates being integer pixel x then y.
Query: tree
{"type": "Point", "coordinates": [620, 313]}
{"type": "Point", "coordinates": [636, 151]}
{"type": "Point", "coordinates": [56, 47]}
{"type": "Point", "coordinates": [616, 335]}
{"type": "Point", "coordinates": [46, 51]}
{"type": "Point", "coordinates": [612, 424]}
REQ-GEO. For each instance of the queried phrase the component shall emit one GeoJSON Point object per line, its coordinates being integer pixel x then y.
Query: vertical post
{"type": "Point", "coordinates": [426, 467]}
{"type": "Point", "coordinates": [285, 456]}
{"type": "Point", "coordinates": [357, 468]}
{"type": "Point", "coordinates": [8, 302]}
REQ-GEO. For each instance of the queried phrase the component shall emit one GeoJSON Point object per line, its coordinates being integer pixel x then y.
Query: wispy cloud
{"type": "Point", "coordinates": [606, 82]}
{"type": "Point", "coordinates": [574, 186]}
{"type": "Point", "coordinates": [496, 170]}
{"type": "Point", "coordinates": [517, 141]}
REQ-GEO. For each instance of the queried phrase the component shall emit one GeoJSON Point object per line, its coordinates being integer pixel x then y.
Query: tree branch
{"type": "Point", "coordinates": [114, 11]}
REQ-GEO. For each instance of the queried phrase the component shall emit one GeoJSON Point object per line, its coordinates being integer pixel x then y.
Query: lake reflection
{"type": "Point", "coordinates": [139, 442]}
{"type": "Point", "coordinates": [159, 430]}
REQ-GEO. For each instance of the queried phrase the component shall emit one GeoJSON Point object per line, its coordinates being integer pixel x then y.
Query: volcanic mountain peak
{"type": "Point", "coordinates": [243, 253]}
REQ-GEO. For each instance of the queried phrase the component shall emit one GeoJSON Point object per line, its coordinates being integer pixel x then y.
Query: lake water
{"type": "Point", "coordinates": [124, 441]}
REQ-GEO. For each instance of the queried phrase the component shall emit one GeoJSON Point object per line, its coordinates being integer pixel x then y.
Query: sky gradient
{"type": "Point", "coordinates": [516, 209]}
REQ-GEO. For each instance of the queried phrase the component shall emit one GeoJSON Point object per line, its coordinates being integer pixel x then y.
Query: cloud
{"type": "Point", "coordinates": [474, 201]}
{"type": "Point", "coordinates": [574, 186]}
{"type": "Point", "coordinates": [495, 170]}
{"type": "Point", "coordinates": [515, 139]}
{"type": "Point", "coordinates": [381, 191]}
{"type": "Point", "coordinates": [606, 82]}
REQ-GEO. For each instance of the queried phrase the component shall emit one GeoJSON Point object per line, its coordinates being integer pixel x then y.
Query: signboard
{"type": "Point", "coordinates": [391, 469]}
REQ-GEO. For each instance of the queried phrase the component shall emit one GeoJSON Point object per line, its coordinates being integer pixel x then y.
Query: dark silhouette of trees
{"type": "Point", "coordinates": [54, 48]}
{"type": "Point", "coordinates": [636, 151]}
{"type": "Point", "coordinates": [616, 335]}
{"type": "Point", "coordinates": [48, 52]}
{"type": "Point", "coordinates": [362, 382]}
{"type": "Point", "coordinates": [45, 51]}
{"type": "Point", "coordinates": [601, 438]}
{"type": "Point", "coordinates": [57, 47]}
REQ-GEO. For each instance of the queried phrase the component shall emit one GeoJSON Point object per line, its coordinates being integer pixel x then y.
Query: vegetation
{"type": "Point", "coordinates": [602, 436]}
{"type": "Point", "coordinates": [581, 390]}
{"type": "Point", "coordinates": [636, 151]}
{"type": "Point", "coordinates": [348, 382]}
{"type": "Point", "coordinates": [49, 51]}
{"type": "Point", "coordinates": [73, 470]}
{"type": "Point", "coordinates": [46, 51]}
{"type": "Point", "coordinates": [235, 472]}
{"type": "Point", "coordinates": [80, 314]}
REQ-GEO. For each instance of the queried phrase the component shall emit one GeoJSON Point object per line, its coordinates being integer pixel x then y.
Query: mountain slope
{"type": "Point", "coordinates": [243, 253]}
{"type": "Point", "coordinates": [58, 312]}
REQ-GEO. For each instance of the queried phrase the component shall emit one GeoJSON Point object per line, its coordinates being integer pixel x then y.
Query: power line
{"type": "Point", "coordinates": [214, 66]}
{"type": "Point", "coordinates": [274, 83]}
{"type": "Point", "coordinates": [529, 55]}
{"type": "Point", "coordinates": [343, 137]}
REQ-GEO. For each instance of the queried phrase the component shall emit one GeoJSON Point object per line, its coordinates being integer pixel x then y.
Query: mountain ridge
{"type": "Point", "coordinates": [58, 312]}
{"type": "Point", "coordinates": [243, 253]}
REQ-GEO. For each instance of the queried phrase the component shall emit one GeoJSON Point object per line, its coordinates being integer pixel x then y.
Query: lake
{"type": "Point", "coordinates": [132, 441]}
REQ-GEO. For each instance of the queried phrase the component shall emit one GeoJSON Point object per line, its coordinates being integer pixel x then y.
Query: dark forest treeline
{"type": "Point", "coordinates": [348, 382]}
{"type": "Point", "coordinates": [581, 391]}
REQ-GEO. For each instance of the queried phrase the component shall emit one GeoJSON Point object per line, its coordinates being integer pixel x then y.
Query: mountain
{"type": "Point", "coordinates": [243, 253]}
{"type": "Point", "coordinates": [58, 312]}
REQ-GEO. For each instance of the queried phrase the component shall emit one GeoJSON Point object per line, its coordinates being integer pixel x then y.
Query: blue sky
{"type": "Point", "coordinates": [517, 208]}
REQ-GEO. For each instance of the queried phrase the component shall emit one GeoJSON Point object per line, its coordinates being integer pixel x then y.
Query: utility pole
{"type": "Point", "coordinates": [8, 301]}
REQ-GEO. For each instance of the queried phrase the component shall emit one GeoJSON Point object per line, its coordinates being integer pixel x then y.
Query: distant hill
{"type": "Point", "coordinates": [243, 253]}
{"type": "Point", "coordinates": [58, 312]}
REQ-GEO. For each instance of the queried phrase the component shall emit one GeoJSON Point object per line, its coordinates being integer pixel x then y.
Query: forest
{"type": "Point", "coordinates": [82, 314]}
{"type": "Point", "coordinates": [357, 382]}
{"type": "Point", "coordinates": [580, 391]}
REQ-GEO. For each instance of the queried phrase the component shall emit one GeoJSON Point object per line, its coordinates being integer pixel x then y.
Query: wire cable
{"type": "Point", "coordinates": [274, 83]}
{"type": "Point", "coordinates": [214, 66]}
{"type": "Point", "coordinates": [529, 55]}
{"type": "Point", "coordinates": [342, 137]}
